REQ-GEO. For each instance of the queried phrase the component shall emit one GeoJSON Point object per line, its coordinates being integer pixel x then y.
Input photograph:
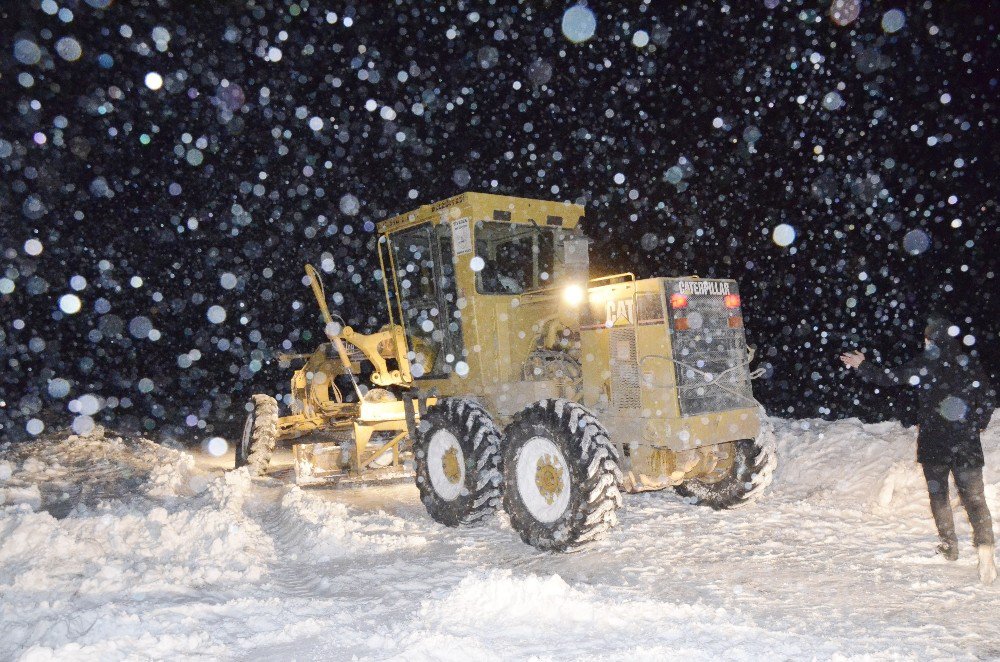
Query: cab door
{"type": "Point", "coordinates": [428, 295]}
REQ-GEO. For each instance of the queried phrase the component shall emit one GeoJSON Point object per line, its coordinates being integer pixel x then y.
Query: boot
{"type": "Point", "coordinates": [987, 566]}
{"type": "Point", "coordinates": [948, 549]}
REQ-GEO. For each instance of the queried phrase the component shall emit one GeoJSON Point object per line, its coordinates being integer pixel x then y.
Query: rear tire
{"type": "Point", "coordinates": [751, 473]}
{"type": "Point", "coordinates": [562, 477]}
{"type": "Point", "coordinates": [260, 432]}
{"type": "Point", "coordinates": [457, 457]}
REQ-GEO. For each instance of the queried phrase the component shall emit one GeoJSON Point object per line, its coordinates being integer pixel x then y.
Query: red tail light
{"type": "Point", "coordinates": [735, 322]}
{"type": "Point", "coordinates": [732, 300]}
{"type": "Point", "coordinates": [678, 300]}
{"type": "Point", "coordinates": [681, 324]}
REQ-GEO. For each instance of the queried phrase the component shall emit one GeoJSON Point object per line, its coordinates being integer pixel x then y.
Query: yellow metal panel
{"type": "Point", "coordinates": [656, 421]}
{"type": "Point", "coordinates": [684, 433]}
{"type": "Point", "coordinates": [725, 426]}
{"type": "Point", "coordinates": [372, 412]}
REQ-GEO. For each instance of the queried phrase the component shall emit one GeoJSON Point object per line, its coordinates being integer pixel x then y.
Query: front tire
{"type": "Point", "coordinates": [457, 457]}
{"type": "Point", "coordinates": [749, 474]}
{"type": "Point", "coordinates": [260, 432]}
{"type": "Point", "coordinates": [562, 477]}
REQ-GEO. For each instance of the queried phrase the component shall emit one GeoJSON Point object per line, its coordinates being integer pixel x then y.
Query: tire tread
{"type": "Point", "coordinates": [595, 465]}
{"type": "Point", "coordinates": [747, 483]}
{"type": "Point", "coordinates": [461, 414]}
{"type": "Point", "coordinates": [263, 435]}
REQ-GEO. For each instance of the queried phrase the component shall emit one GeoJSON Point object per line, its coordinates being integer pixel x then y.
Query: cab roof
{"type": "Point", "coordinates": [488, 207]}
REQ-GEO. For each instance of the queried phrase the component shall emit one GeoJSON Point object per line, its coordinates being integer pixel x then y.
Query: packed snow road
{"type": "Point", "coordinates": [116, 549]}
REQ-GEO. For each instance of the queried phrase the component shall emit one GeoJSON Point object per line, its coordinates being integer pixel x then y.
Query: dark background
{"type": "Point", "coordinates": [103, 172]}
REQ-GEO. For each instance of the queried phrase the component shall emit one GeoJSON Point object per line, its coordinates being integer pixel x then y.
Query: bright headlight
{"type": "Point", "coordinates": [573, 295]}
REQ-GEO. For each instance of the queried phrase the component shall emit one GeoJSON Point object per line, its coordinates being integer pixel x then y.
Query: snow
{"type": "Point", "coordinates": [117, 548]}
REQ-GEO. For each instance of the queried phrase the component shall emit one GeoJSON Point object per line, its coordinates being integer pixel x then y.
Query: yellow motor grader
{"type": "Point", "coordinates": [507, 377]}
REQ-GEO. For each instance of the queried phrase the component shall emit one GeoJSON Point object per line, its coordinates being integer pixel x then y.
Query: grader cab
{"type": "Point", "coordinates": [507, 377]}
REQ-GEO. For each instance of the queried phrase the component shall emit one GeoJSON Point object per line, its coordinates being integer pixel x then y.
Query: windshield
{"type": "Point", "coordinates": [516, 257]}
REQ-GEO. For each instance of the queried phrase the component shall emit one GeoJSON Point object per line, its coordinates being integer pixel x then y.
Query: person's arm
{"type": "Point", "coordinates": [986, 398]}
{"type": "Point", "coordinates": [884, 375]}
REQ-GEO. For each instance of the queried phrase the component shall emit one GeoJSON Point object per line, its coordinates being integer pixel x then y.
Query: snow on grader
{"type": "Point", "coordinates": [506, 377]}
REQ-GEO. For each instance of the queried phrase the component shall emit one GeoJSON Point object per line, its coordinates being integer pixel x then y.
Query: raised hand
{"type": "Point", "coordinates": [852, 359]}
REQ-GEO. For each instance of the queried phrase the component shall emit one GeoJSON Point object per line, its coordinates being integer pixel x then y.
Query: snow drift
{"type": "Point", "coordinates": [117, 548]}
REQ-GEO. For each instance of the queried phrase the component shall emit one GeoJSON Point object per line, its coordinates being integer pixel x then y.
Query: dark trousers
{"type": "Point", "coordinates": [970, 488]}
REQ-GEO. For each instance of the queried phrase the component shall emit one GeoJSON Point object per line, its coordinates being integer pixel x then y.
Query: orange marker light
{"type": "Point", "coordinates": [678, 300]}
{"type": "Point", "coordinates": [732, 300]}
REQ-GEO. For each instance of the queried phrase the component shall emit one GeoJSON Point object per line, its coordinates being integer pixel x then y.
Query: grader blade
{"type": "Point", "coordinates": [317, 463]}
{"type": "Point", "coordinates": [329, 462]}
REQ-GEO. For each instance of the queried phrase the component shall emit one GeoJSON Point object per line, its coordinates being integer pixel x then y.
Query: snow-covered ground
{"type": "Point", "coordinates": [125, 549]}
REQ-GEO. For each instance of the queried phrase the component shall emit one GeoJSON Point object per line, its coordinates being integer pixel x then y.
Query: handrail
{"type": "Point", "coordinates": [385, 277]}
{"type": "Point", "coordinates": [539, 291]}
{"type": "Point", "coordinates": [623, 274]}
{"type": "Point", "coordinates": [395, 285]}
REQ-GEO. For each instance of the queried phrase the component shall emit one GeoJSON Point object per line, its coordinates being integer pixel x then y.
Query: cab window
{"type": "Point", "coordinates": [516, 257]}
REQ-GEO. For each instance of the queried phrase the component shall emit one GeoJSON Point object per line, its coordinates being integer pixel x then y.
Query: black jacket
{"type": "Point", "coordinates": [955, 401]}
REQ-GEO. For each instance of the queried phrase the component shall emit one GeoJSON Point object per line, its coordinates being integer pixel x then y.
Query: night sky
{"type": "Point", "coordinates": [167, 167]}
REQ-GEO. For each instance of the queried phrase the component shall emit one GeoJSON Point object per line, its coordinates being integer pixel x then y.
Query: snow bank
{"type": "Point", "coordinates": [86, 470]}
{"type": "Point", "coordinates": [116, 524]}
{"type": "Point", "coordinates": [867, 466]}
{"type": "Point", "coordinates": [96, 531]}
{"type": "Point", "coordinates": [115, 548]}
{"type": "Point", "coordinates": [579, 622]}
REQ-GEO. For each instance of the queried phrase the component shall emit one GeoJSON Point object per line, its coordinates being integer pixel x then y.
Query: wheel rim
{"type": "Point", "coordinates": [543, 479]}
{"type": "Point", "coordinates": [245, 439]}
{"type": "Point", "coordinates": [446, 465]}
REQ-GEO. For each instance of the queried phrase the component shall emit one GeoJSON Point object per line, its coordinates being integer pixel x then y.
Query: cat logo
{"type": "Point", "coordinates": [703, 287]}
{"type": "Point", "coordinates": [619, 312]}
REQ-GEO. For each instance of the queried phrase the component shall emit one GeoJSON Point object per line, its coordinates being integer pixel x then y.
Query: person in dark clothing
{"type": "Point", "coordinates": [955, 402]}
